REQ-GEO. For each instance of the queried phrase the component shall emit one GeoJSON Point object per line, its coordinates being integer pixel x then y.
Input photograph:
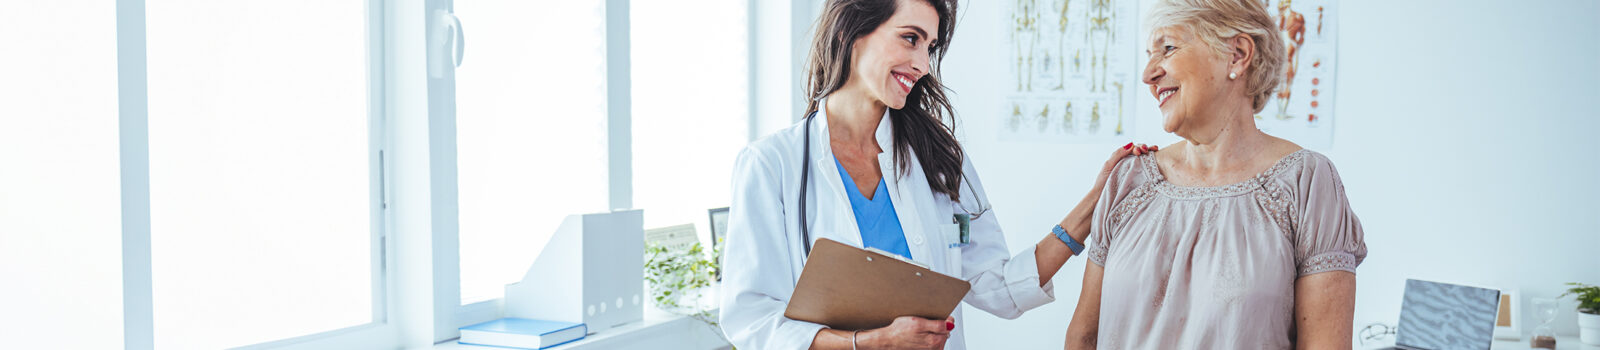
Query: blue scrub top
{"type": "Point", "coordinates": [880, 226]}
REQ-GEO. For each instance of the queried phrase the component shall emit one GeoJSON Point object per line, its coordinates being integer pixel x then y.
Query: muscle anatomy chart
{"type": "Point", "coordinates": [1302, 108]}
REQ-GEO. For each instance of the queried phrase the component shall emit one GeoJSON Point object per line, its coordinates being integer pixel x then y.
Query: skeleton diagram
{"type": "Point", "coordinates": [1292, 25]}
{"type": "Point", "coordinates": [1061, 47]}
{"type": "Point", "coordinates": [1094, 118]}
{"type": "Point", "coordinates": [1119, 106]}
{"type": "Point", "coordinates": [1101, 18]}
{"type": "Point", "coordinates": [1066, 119]}
{"type": "Point", "coordinates": [1044, 118]}
{"type": "Point", "coordinates": [1016, 117]}
{"type": "Point", "coordinates": [1025, 25]}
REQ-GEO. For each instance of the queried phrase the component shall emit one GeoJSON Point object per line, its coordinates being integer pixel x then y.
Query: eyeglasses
{"type": "Point", "coordinates": [1376, 332]}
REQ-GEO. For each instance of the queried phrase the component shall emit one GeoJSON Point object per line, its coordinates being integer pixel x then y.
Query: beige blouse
{"type": "Point", "coordinates": [1214, 267]}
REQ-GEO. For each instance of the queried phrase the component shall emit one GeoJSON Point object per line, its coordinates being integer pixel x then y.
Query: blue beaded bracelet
{"type": "Point", "coordinates": [1071, 243]}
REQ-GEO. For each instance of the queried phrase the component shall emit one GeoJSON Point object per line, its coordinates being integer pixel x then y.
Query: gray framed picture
{"type": "Point", "coordinates": [719, 223]}
{"type": "Point", "coordinates": [719, 231]}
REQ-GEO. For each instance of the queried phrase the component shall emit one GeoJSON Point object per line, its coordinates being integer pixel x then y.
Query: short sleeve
{"type": "Point", "coordinates": [1328, 236]}
{"type": "Point", "coordinates": [1124, 179]}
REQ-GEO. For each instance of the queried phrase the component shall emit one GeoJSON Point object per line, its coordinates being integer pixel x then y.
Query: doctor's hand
{"type": "Point", "coordinates": [1050, 253]}
{"type": "Point", "coordinates": [908, 332]}
{"type": "Point", "coordinates": [1077, 221]}
{"type": "Point", "coordinates": [1116, 156]}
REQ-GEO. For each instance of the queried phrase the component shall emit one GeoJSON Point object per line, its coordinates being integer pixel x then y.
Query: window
{"type": "Point", "coordinates": [260, 170]}
{"type": "Point", "coordinates": [249, 136]}
{"type": "Point", "coordinates": [534, 110]}
{"type": "Point", "coordinates": [691, 111]}
{"type": "Point", "coordinates": [531, 132]}
{"type": "Point", "coordinates": [60, 217]}
{"type": "Point", "coordinates": [264, 122]}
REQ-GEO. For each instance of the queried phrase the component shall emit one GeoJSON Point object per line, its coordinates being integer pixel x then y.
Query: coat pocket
{"type": "Point", "coordinates": [950, 239]}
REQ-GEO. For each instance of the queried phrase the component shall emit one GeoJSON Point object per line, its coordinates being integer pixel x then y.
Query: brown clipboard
{"type": "Point", "coordinates": [849, 288]}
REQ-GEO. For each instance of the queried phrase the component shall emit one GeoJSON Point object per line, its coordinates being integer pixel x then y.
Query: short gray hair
{"type": "Point", "coordinates": [1216, 21]}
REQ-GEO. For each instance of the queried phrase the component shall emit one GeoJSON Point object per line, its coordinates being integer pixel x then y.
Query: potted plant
{"type": "Point", "coordinates": [1588, 311]}
{"type": "Point", "coordinates": [678, 278]}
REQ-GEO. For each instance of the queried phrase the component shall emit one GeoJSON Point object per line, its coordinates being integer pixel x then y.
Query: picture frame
{"type": "Point", "coordinates": [719, 230]}
{"type": "Point", "coordinates": [719, 223]}
{"type": "Point", "coordinates": [1508, 324]}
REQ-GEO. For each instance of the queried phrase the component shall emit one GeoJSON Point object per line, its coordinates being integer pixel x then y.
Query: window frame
{"type": "Point", "coordinates": [412, 158]}
{"type": "Point", "coordinates": [619, 131]}
{"type": "Point", "coordinates": [446, 262]}
{"type": "Point", "coordinates": [133, 129]}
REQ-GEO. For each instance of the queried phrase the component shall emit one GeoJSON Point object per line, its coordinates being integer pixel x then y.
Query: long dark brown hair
{"type": "Point", "coordinates": [919, 126]}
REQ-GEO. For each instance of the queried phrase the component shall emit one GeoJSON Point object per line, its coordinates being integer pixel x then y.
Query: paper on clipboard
{"type": "Point", "coordinates": [850, 288]}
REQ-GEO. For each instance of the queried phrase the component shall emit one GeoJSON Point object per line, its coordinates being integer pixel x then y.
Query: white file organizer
{"type": "Point", "coordinates": [591, 271]}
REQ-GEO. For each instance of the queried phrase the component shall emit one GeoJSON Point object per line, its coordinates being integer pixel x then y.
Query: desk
{"type": "Point", "coordinates": [659, 330]}
{"type": "Point", "coordinates": [1562, 343]}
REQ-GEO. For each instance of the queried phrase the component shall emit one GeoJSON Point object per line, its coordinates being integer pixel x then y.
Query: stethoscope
{"type": "Point", "coordinates": [805, 174]}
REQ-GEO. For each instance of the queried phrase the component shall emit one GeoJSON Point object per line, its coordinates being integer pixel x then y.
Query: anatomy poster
{"type": "Point", "coordinates": [1073, 71]}
{"type": "Point", "coordinates": [1302, 108]}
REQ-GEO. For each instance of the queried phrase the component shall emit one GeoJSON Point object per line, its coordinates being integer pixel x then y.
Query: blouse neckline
{"type": "Point", "coordinates": [1237, 188]}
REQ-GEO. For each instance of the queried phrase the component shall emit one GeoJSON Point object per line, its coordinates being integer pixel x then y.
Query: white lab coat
{"type": "Point", "coordinates": [764, 257]}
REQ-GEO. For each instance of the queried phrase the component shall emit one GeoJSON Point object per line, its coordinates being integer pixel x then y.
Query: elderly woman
{"type": "Point", "coordinates": [1231, 239]}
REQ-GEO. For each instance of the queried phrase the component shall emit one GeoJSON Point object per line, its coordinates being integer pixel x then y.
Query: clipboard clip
{"type": "Point", "coordinates": [896, 257]}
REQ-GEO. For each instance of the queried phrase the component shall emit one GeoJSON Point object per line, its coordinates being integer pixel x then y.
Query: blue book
{"type": "Point", "coordinates": [522, 333]}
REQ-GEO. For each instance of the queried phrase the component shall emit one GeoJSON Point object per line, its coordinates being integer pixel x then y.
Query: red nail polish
{"type": "Point", "coordinates": [1130, 145]}
{"type": "Point", "coordinates": [949, 325]}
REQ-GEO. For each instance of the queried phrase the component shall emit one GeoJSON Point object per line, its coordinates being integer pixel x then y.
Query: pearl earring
{"type": "Point", "coordinates": [1232, 75]}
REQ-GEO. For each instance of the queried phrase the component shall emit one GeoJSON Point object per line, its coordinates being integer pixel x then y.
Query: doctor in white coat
{"type": "Point", "coordinates": [885, 172]}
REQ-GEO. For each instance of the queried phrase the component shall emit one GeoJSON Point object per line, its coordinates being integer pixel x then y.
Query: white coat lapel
{"type": "Point", "coordinates": [833, 204]}
{"type": "Point", "coordinates": [903, 194]}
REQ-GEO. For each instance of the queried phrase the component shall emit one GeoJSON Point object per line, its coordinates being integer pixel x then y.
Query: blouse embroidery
{"type": "Point", "coordinates": [1275, 197]}
{"type": "Point", "coordinates": [1330, 261]}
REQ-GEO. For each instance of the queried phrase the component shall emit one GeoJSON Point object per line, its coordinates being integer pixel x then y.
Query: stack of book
{"type": "Point", "coordinates": [522, 333]}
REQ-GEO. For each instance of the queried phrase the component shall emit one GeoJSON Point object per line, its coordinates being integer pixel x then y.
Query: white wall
{"type": "Point", "coordinates": [1462, 136]}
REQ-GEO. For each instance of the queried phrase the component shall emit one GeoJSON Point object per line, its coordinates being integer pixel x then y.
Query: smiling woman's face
{"type": "Point", "coordinates": [1188, 79]}
{"type": "Point", "coordinates": [893, 58]}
